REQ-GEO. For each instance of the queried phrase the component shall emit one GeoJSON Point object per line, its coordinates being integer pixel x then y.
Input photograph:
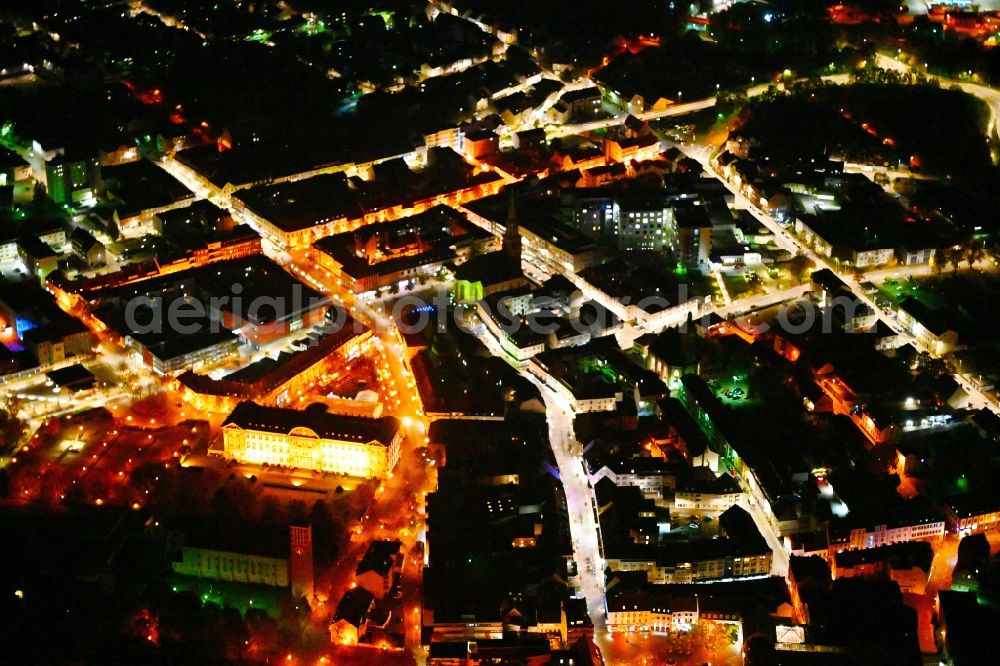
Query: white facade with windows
{"type": "Point", "coordinates": [319, 441]}
{"type": "Point", "coordinates": [881, 535]}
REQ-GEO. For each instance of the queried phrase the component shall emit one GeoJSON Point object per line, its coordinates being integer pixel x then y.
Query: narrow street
{"type": "Point", "coordinates": [580, 504]}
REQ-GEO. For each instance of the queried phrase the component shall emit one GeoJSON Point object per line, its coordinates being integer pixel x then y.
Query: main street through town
{"type": "Point", "coordinates": [399, 507]}
{"type": "Point", "coordinates": [580, 501]}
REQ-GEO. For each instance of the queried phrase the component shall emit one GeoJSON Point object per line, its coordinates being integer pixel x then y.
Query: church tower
{"type": "Point", "coordinates": [512, 233]}
{"type": "Point", "coordinates": [300, 562]}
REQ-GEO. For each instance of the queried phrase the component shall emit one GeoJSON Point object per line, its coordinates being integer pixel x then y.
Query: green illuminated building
{"type": "Point", "coordinates": [71, 180]}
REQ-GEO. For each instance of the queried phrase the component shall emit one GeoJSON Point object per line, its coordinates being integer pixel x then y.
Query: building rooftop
{"type": "Point", "coordinates": [354, 607]}
{"type": "Point", "coordinates": [892, 512]}
{"type": "Point", "coordinates": [746, 600]}
{"type": "Point", "coordinates": [83, 238]}
{"type": "Point", "coordinates": [74, 377]}
{"type": "Point", "coordinates": [10, 160]}
{"type": "Point", "coordinates": [480, 135]}
{"type": "Point", "coordinates": [968, 504]}
{"type": "Point", "coordinates": [495, 533]}
{"type": "Point", "coordinates": [170, 344]}
{"type": "Point", "coordinates": [35, 248]}
{"type": "Point", "coordinates": [812, 568]}
{"type": "Point", "coordinates": [141, 185]}
{"type": "Point", "coordinates": [55, 331]}
{"type": "Point", "coordinates": [969, 627]}
{"type": "Point", "coordinates": [987, 422]}
{"type": "Point", "coordinates": [902, 555]}
{"type": "Point", "coordinates": [650, 597]}
{"type": "Point", "coordinates": [932, 320]}
{"type": "Point", "coordinates": [538, 211]}
{"type": "Point", "coordinates": [772, 466]}
{"type": "Point", "coordinates": [630, 531]}
{"type": "Point", "coordinates": [582, 94]}
{"type": "Point", "coordinates": [253, 288]}
{"type": "Point", "coordinates": [28, 301]}
{"type": "Point", "coordinates": [314, 419]}
{"type": "Point", "coordinates": [267, 374]}
{"type": "Point", "coordinates": [692, 217]}
{"type": "Point", "coordinates": [513, 648]}
{"type": "Point", "coordinates": [673, 347]}
{"type": "Point", "coordinates": [738, 524]}
{"type": "Point", "coordinates": [380, 558]}
{"type": "Point", "coordinates": [490, 268]}
{"type": "Point", "coordinates": [395, 246]}
{"type": "Point", "coordinates": [828, 280]}
{"type": "Point", "coordinates": [271, 540]}
{"type": "Point", "coordinates": [868, 219]}
{"type": "Point", "coordinates": [301, 204]}
{"type": "Point", "coordinates": [681, 421]}
{"type": "Point", "coordinates": [869, 618]}
{"type": "Point", "coordinates": [709, 484]}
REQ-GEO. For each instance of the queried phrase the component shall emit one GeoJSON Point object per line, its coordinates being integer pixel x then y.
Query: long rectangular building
{"type": "Point", "coordinates": [378, 256]}
{"type": "Point", "coordinates": [312, 439]}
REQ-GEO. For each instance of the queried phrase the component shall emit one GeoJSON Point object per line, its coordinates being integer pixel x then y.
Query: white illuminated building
{"type": "Point", "coordinates": [313, 439]}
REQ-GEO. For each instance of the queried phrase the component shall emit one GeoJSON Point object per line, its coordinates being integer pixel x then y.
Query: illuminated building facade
{"type": "Point", "coordinates": [651, 610]}
{"type": "Point", "coordinates": [282, 380]}
{"type": "Point", "coordinates": [924, 528]}
{"type": "Point", "coordinates": [72, 180]}
{"type": "Point", "coordinates": [56, 342]}
{"type": "Point", "coordinates": [300, 561]}
{"type": "Point", "coordinates": [741, 562]}
{"type": "Point", "coordinates": [231, 566]}
{"type": "Point", "coordinates": [636, 224]}
{"type": "Point", "coordinates": [717, 494]}
{"type": "Point", "coordinates": [312, 439]}
{"type": "Point", "coordinates": [170, 354]}
{"type": "Point", "coordinates": [53, 236]}
{"type": "Point", "coordinates": [378, 256]}
{"type": "Point", "coordinates": [927, 326]}
{"type": "Point", "coordinates": [971, 514]}
{"type": "Point", "coordinates": [350, 621]}
{"type": "Point", "coordinates": [276, 556]}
